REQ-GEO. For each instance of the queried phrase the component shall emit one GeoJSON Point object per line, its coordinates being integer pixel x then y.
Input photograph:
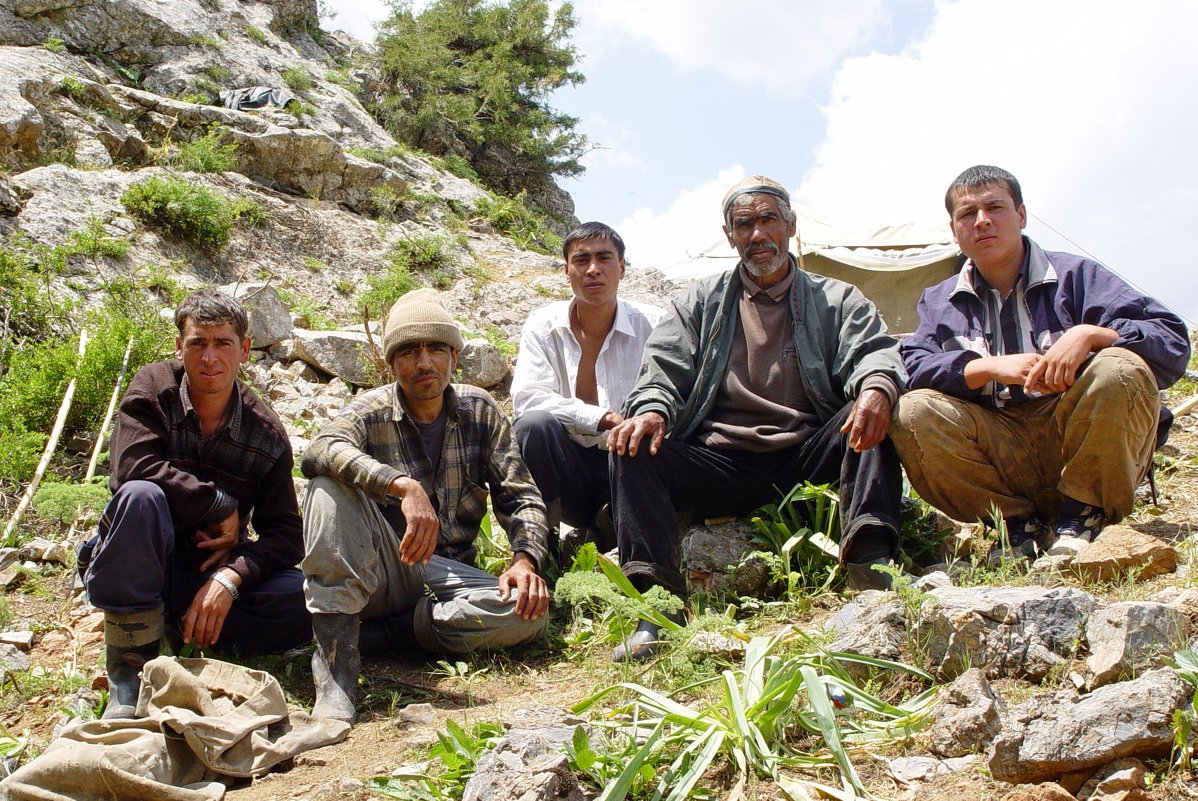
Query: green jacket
{"type": "Point", "coordinates": [839, 337]}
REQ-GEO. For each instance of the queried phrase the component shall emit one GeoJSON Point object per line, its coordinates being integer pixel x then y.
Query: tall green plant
{"type": "Point", "coordinates": [798, 535]}
{"type": "Point", "coordinates": [473, 78]}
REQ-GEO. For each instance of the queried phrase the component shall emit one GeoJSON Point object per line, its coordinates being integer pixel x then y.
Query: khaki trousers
{"type": "Point", "coordinates": [1093, 443]}
{"type": "Point", "coordinates": [351, 566]}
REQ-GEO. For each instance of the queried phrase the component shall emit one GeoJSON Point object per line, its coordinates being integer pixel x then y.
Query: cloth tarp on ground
{"type": "Point", "coordinates": [199, 720]}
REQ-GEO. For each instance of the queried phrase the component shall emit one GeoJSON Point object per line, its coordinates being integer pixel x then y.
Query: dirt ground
{"type": "Point", "coordinates": [496, 687]}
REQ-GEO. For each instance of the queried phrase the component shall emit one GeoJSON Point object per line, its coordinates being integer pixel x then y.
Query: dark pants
{"type": "Point", "coordinates": [710, 483]}
{"type": "Point", "coordinates": [140, 563]}
{"type": "Point", "coordinates": [563, 470]}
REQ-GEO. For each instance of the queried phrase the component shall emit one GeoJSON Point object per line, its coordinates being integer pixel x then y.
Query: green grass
{"type": "Point", "coordinates": [215, 151]}
{"type": "Point", "coordinates": [202, 40]}
{"type": "Point", "coordinates": [194, 213]}
{"type": "Point", "coordinates": [297, 78]}
{"type": "Point", "coordinates": [73, 88]}
{"type": "Point", "coordinates": [256, 34]}
{"type": "Point", "coordinates": [55, 45]}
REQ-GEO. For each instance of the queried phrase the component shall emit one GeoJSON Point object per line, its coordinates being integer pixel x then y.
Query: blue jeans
{"type": "Point", "coordinates": [139, 563]}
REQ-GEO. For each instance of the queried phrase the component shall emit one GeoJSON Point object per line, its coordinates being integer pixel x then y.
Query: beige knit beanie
{"type": "Point", "coordinates": [419, 316]}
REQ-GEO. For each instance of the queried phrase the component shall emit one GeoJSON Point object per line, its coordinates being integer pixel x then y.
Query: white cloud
{"type": "Point", "coordinates": [359, 17]}
{"type": "Point", "coordinates": [673, 240]}
{"type": "Point", "coordinates": [611, 144]}
{"type": "Point", "coordinates": [1086, 102]}
{"type": "Point", "coordinates": [774, 44]}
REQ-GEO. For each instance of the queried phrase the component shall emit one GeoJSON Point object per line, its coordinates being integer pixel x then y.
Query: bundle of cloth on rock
{"type": "Point", "coordinates": [200, 725]}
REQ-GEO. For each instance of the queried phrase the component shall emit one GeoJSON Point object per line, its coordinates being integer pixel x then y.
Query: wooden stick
{"type": "Point", "coordinates": [51, 445]}
{"type": "Point", "coordinates": [116, 394]}
{"type": "Point", "coordinates": [1186, 406]}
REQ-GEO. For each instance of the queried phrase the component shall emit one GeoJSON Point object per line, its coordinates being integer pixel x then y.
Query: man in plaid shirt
{"type": "Point", "coordinates": [399, 488]}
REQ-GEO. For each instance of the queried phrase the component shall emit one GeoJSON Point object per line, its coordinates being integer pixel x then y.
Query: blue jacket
{"type": "Point", "coordinates": [1062, 291]}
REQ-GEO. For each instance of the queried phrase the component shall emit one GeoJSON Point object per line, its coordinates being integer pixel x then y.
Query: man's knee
{"type": "Point", "coordinates": [922, 414]}
{"type": "Point", "coordinates": [1118, 370]}
{"type": "Point", "coordinates": [536, 430]}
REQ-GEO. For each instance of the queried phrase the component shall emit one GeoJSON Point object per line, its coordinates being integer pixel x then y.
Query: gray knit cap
{"type": "Point", "coordinates": [419, 316]}
{"type": "Point", "coordinates": [756, 185]}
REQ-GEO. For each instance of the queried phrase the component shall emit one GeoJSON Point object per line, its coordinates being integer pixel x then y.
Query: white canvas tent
{"type": "Point", "coordinates": [891, 264]}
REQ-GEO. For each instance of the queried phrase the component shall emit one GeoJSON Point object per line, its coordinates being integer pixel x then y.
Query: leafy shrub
{"type": "Point", "coordinates": [212, 152]}
{"type": "Point", "coordinates": [385, 201]}
{"type": "Point", "coordinates": [453, 163]}
{"type": "Point", "coordinates": [297, 78]}
{"type": "Point", "coordinates": [55, 45]}
{"type": "Point", "coordinates": [201, 40]}
{"type": "Point", "coordinates": [299, 109]}
{"type": "Point", "coordinates": [63, 503]}
{"type": "Point", "coordinates": [26, 269]}
{"type": "Point", "coordinates": [425, 253]}
{"type": "Point", "coordinates": [195, 213]}
{"type": "Point", "coordinates": [73, 88]}
{"type": "Point", "coordinates": [513, 217]}
{"type": "Point", "coordinates": [94, 241]}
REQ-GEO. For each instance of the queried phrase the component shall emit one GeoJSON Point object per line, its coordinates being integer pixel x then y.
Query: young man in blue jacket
{"type": "Point", "coordinates": [1035, 379]}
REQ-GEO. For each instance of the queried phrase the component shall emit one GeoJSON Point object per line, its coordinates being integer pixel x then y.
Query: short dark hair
{"type": "Point", "coordinates": [592, 230]}
{"type": "Point", "coordinates": [981, 175]}
{"type": "Point", "coordinates": [211, 307]}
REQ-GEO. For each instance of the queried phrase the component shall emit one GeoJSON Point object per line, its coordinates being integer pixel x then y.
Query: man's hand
{"type": "Point", "coordinates": [219, 538]}
{"type": "Point", "coordinates": [1012, 370]}
{"type": "Point", "coordinates": [1057, 369]}
{"type": "Point", "coordinates": [625, 438]}
{"type": "Point", "coordinates": [868, 420]}
{"type": "Point", "coordinates": [610, 420]}
{"type": "Point", "coordinates": [421, 527]}
{"type": "Point", "coordinates": [532, 595]}
{"type": "Point", "coordinates": [206, 615]}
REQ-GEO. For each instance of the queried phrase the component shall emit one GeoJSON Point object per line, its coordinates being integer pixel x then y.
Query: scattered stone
{"type": "Point", "coordinates": [932, 581]}
{"type": "Point", "coordinates": [482, 364]}
{"type": "Point", "coordinates": [526, 764]}
{"type": "Point", "coordinates": [11, 659]}
{"type": "Point", "coordinates": [1041, 792]}
{"type": "Point", "coordinates": [716, 558]}
{"type": "Point", "coordinates": [715, 644]}
{"type": "Point", "coordinates": [1005, 631]}
{"type": "Point", "coordinates": [1051, 735]}
{"type": "Point", "coordinates": [41, 550]}
{"type": "Point", "coordinates": [54, 642]}
{"type": "Point", "coordinates": [19, 639]}
{"type": "Point", "coordinates": [1122, 780]}
{"type": "Point", "coordinates": [1121, 549]}
{"type": "Point", "coordinates": [1129, 637]}
{"type": "Point", "coordinates": [418, 714]}
{"type": "Point", "coordinates": [874, 624]}
{"type": "Point", "coordinates": [270, 319]}
{"type": "Point", "coordinates": [339, 353]}
{"type": "Point", "coordinates": [909, 770]}
{"type": "Point", "coordinates": [967, 717]}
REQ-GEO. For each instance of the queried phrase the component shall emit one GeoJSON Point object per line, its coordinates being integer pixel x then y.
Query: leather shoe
{"type": "Point", "coordinates": [640, 645]}
{"type": "Point", "coordinates": [862, 576]}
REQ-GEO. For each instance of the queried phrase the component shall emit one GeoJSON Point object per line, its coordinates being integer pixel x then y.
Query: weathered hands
{"type": "Point", "coordinates": [868, 420]}
{"type": "Point", "coordinates": [421, 526]}
{"type": "Point", "coordinates": [532, 594]}
{"type": "Point", "coordinates": [219, 538]}
{"type": "Point", "coordinates": [205, 616]}
{"type": "Point", "coordinates": [610, 420]}
{"type": "Point", "coordinates": [1057, 369]}
{"type": "Point", "coordinates": [625, 438]}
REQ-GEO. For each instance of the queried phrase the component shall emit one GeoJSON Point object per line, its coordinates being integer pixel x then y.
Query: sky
{"type": "Point", "coordinates": [867, 109]}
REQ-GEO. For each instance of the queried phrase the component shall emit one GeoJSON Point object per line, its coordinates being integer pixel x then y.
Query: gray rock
{"type": "Point", "coordinates": [1121, 780]}
{"type": "Point", "coordinates": [482, 364]}
{"type": "Point", "coordinates": [932, 581]}
{"type": "Point", "coordinates": [339, 353]}
{"type": "Point", "coordinates": [419, 714]}
{"type": "Point", "coordinates": [11, 659]}
{"type": "Point", "coordinates": [714, 559]}
{"type": "Point", "coordinates": [22, 640]}
{"type": "Point", "coordinates": [526, 765]}
{"type": "Point", "coordinates": [270, 319]}
{"type": "Point", "coordinates": [874, 624]}
{"type": "Point", "coordinates": [1064, 733]}
{"type": "Point", "coordinates": [967, 717]}
{"type": "Point", "coordinates": [1120, 549]}
{"type": "Point", "coordinates": [715, 644]}
{"type": "Point", "coordinates": [1128, 637]}
{"type": "Point", "coordinates": [909, 770]}
{"type": "Point", "coordinates": [1006, 631]}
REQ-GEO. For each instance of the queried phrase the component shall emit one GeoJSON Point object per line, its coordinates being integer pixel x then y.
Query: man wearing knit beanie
{"type": "Point", "coordinates": [399, 488]}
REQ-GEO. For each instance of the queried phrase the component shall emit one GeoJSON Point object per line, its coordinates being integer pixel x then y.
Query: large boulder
{"type": "Point", "coordinates": [874, 624]}
{"type": "Point", "coordinates": [1129, 637]}
{"type": "Point", "coordinates": [1006, 631]}
{"type": "Point", "coordinates": [526, 765]}
{"type": "Point", "coordinates": [717, 558]}
{"type": "Point", "coordinates": [270, 319]}
{"type": "Point", "coordinates": [482, 364]}
{"type": "Point", "coordinates": [1051, 735]}
{"type": "Point", "coordinates": [339, 353]}
{"type": "Point", "coordinates": [1119, 550]}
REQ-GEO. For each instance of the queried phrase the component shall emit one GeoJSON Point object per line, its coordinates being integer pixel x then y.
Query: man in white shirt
{"type": "Point", "coordinates": [578, 360]}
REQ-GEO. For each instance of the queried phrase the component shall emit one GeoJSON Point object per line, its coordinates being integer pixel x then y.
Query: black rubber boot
{"type": "Point", "coordinates": [640, 645]}
{"type": "Point", "coordinates": [384, 636]}
{"type": "Point", "coordinates": [335, 664]}
{"type": "Point", "coordinates": [124, 678]}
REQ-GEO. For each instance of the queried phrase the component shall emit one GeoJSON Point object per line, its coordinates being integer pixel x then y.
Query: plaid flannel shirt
{"type": "Point", "coordinates": [374, 441]}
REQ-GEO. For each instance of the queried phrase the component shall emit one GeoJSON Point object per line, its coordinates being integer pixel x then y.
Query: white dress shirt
{"type": "Point", "coordinates": [547, 367]}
